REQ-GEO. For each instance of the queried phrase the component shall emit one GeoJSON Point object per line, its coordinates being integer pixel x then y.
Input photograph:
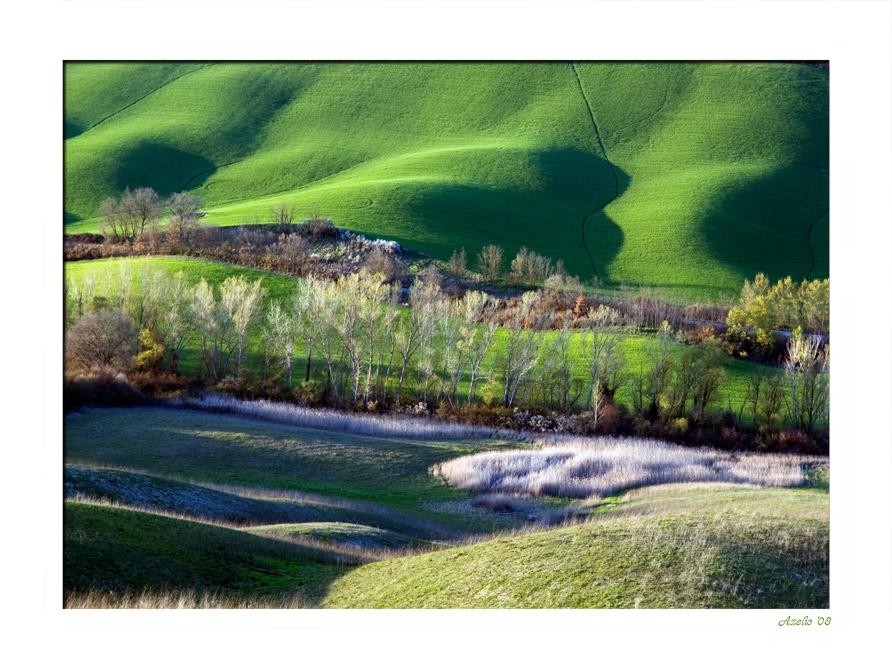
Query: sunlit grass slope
{"type": "Point", "coordinates": [669, 546]}
{"type": "Point", "coordinates": [710, 172]}
{"type": "Point", "coordinates": [672, 547]}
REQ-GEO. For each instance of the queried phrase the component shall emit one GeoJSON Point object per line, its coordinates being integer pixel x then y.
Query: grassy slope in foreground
{"type": "Point", "coordinates": [121, 550]}
{"type": "Point", "coordinates": [710, 172]}
{"type": "Point", "coordinates": [283, 288]}
{"type": "Point", "coordinates": [672, 547]}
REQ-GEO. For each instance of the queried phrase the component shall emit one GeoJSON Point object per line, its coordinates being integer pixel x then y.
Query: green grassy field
{"type": "Point", "coordinates": [686, 176]}
{"type": "Point", "coordinates": [672, 546]}
{"type": "Point", "coordinates": [223, 449]}
{"type": "Point", "coordinates": [121, 550]}
{"type": "Point", "coordinates": [339, 534]}
{"type": "Point", "coordinates": [172, 501]}
{"type": "Point", "coordinates": [634, 346]}
{"type": "Point", "coordinates": [678, 547]}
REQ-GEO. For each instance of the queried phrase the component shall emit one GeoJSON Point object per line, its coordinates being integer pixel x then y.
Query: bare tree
{"type": "Point", "coordinates": [521, 350]}
{"type": "Point", "coordinates": [216, 334]}
{"type": "Point", "coordinates": [78, 297]}
{"type": "Point", "coordinates": [477, 332]}
{"type": "Point", "coordinates": [142, 207]}
{"type": "Point", "coordinates": [104, 339]}
{"type": "Point", "coordinates": [765, 398]}
{"type": "Point", "coordinates": [113, 222]}
{"type": "Point", "coordinates": [279, 335]}
{"type": "Point", "coordinates": [708, 376]}
{"type": "Point", "coordinates": [530, 267]}
{"type": "Point", "coordinates": [558, 387]}
{"type": "Point", "coordinates": [451, 357]}
{"type": "Point", "coordinates": [651, 385]}
{"type": "Point", "coordinates": [184, 210]}
{"type": "Point", "coordinates": [807, 370]}
{"type": "Point", "coordinates": [325, 313]}
{"type": "Point", "coordinates": [241, 299]}
{"type": "Point", "coordinates": [130, 216]}
{"type": "Point", "coordinates": [603, 358]}
{"type": "Point", "coordinates": [307, 320]}
{"type": "Point", "coordinates": [283, 214]}
{"type": "Point", "coordinates": [292, 252]}
{"type": "Point", "coordinates": [384, 263]}
{"type": "Point", "coordinates": [176, 317]}
{"type": "Point", "coordinates": [408, 334]}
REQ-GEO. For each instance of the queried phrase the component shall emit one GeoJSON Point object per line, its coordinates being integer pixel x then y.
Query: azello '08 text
{"type": "Point", "coordinates": [805, 621]}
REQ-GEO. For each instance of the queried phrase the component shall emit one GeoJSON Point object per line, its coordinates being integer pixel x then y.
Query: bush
{"type": "Point", "coordinates": [529, 267]}
{"type": "Point", "coordinates": [289, 254]}
{"type": "Point", "coordinates": [458, 263]}
{"type": "Point", "coordinates": [612, 418]}
{"type": "Point", "coordinates": [99, 387]}
{"type": "Point", "coordinates": [151, 353]}
{"type": "Point", "coordinates": [680, 425]}
{"type": "Point", "coordinates": [385, 264]}
{"type": "Point", "coordinates": [319, 227]}
{"type": "Point", "coordinates": [763, 307]}
{"type": "Point", "coordinates": [106, 339]}
{"type": "Point", "coordinates": [490, 262]}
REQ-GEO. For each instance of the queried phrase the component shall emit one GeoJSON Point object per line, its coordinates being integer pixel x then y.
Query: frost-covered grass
{"type": "Point", "coordinates": [330, 419]}
{"type": "Point", "coordinates": [597, 468]}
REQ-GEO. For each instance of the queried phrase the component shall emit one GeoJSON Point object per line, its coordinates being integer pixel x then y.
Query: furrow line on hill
{"type": "Point", "coordinates": [649, 116]}
{"type": "Point", "coordinates": [296, 189]}
{"type": "Point", "coordinates": [606, 158]}
{"type": "Point", "coordinates": [210, 171]}
{"type": "Point", "coordinates": [143, 97]}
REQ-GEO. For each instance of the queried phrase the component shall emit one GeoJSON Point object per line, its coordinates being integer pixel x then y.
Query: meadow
{"type": "Point", "coordinates": [181, 508]}
{"type": "Point", "coordinates": [615, 395]}
{"type": "Point", "coordinates": [687, 176]}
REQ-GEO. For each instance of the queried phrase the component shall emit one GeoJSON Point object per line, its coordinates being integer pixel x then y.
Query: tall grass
{"type": "Point", "coordinates": [176, 599]}
{"type": "Point", "coordinates": [598, 468]}
{"type": "Point", "coordinates": [330, 419]}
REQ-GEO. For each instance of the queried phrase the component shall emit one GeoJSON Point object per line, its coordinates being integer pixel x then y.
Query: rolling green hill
{"type": "Point", "coordinates": [682, 546]}
{"type": "Point", "coordinates": [666, 546]}
{"type": "Point", "coordinates": [122, 550]}
{"type": "Point", "coordinates": [691, 176]}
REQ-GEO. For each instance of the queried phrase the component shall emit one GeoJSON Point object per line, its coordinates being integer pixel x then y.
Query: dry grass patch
{"type": "Point", "coordinates": [598, 468]}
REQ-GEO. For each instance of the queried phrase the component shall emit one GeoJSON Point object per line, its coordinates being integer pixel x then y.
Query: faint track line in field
{"type": "Point", "coordinates": [208, 171]}
{"type": "Point", "coordinates": [143, 97]}
{"type": "Point", "coordinates": [297, 189]}
{"type": "Point", "coordinates": [613, 170]}
{"type": "Point", "coordinates": [649, 116]}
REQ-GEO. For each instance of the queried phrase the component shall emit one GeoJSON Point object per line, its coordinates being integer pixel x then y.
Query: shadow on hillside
{"type": "Point", "coordinates": [71, 129]}
{"type": "Point", "coordinates": [162, 167]}
{"type": "Point", "coordinates": [559, 191]}
{"type": "Point", "coordinates": [769, 224]}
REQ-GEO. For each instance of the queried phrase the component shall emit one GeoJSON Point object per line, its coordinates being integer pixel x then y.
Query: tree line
{"type": "Point", "coordinates": [359, 348]}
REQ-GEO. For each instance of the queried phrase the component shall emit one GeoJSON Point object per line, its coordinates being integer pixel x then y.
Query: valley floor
{"type": "Point", "coordinates": [185, 508]}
